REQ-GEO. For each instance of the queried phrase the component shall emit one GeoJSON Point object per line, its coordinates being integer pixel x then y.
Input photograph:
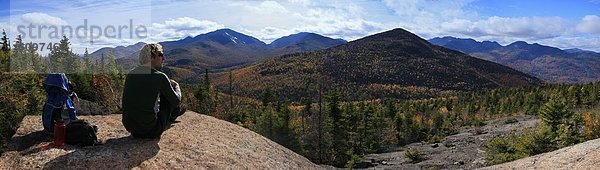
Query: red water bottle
{"type": "Point", "coordinates": [59, 133]}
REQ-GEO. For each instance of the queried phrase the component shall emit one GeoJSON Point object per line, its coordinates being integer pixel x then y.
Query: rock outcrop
{"type": "Point", "coordinates": [465, 150]}
{"type": "Point", "coordinates": [194, 142]}
{"type": "Point", "coordinates": [585, 155]}
{"type": "Point", "coordinates": [85, 107]}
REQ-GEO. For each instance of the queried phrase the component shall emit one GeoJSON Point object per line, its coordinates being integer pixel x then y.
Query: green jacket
{"type": "Point", "coordinates": [143, 86]}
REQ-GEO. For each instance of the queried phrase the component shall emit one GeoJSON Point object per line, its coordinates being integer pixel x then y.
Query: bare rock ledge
{"type": "Point", "coordinates": [585, 155]}
{"type": "Point", "coordinates": [195, 142]}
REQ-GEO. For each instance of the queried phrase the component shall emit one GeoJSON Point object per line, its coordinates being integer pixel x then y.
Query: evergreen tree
{"type": "Point", "coordinates": [230, 91]}
{"type": "Point", "coordinates": [266, 97]}
{"type": "Point", "coordinates": [5, 53]}
{"type": "Point", "coordinates": [36, 60]}
{"type": "Point", "coordinates": [204, 95]}
{"type": "Point", "coordinates": [339, 145]}
{"type": "Point", "coordinates": [573, 96]}
{"type": "Point", "coordinates": [18, 57]}
{"type": "Point", "coordinates": [285, 131]}
{"type": "Point", "coordinates": [5, 42]}
{"type": "Point", "coordinates": [87, 62]}
{"type": "Point", "coordinates": [62, 59]}
{"type": "Point", "coordinates": [111, 67]}
{"type": "Point", "coordinates": [306, 111]}
{"type": "Point", "coordinates": [555, 112]}
{"type": "Point", "coordinates": [102, 64]}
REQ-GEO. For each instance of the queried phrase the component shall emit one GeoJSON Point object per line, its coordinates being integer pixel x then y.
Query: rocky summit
{"type": "Point", "coordinates": [195, 141]}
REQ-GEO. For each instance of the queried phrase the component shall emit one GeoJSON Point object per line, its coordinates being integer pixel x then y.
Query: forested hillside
{"type": "Point", "coordinates": [394, 63]}
{"type": "Point", "coordinates": [330, 129]}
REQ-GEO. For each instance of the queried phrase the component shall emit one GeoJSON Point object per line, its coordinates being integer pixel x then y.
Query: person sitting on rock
{"type": "Point", "coordinates": [151, 101]}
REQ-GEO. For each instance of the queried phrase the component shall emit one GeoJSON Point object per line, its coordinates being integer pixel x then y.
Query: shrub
{"type": "Point", "coordinates": [501, 149]}
{"type": "Point", "coordinates": [434, 139]}
{"type": "Point", "coordinates": [591, 124]}
{"type": "Point", "coordinates": [415, 156]}
{"type": "Point", "coordinates": [511, 121]}
{"type": "Point", "coordinates": [536, 141]}
{"type": "Point", "coordinates": [354, 159]}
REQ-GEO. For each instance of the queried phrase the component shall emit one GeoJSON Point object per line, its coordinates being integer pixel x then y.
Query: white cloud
{"type": "Point", "coordinates": [587, 43]}
{"type": "Point", "coordinates": [270, 7]}
{"type": "Point", "coordinates": [4, 25]}
{"type": "Point", "coordinates": [531, 28]}
{"type": "Point", "coordinates": [268, 20]}
{"type": "Point", "coordinates": [181, 27]}
{"type": "Point", "coordinates": [301, 2]}
{"type": "Point", "coordinates": [37, 18]}
{"type": "Point", "coordinates": [543, 30]}
{"type": "Point", "coordinates": [419, 10]}
{"type": "Point", "coordinates": [589, 24]}
{"type": "Point", "coordinates": [335, 23]}
{"type": "Point", "coordinates": [350, 20]}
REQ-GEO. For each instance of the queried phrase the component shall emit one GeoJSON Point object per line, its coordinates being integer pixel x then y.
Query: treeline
{"type": "Point", "coordinates": [23, 71]}
{"type": "Point", "coordinates": [328, 129]}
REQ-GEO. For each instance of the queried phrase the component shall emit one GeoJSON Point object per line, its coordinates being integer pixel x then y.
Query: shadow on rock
{"type": "Point", "coordinates": [21, 143]}
{"type": "Point", "coordinates": [121, 153]}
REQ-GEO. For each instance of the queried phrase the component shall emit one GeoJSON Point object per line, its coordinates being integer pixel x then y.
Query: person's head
{"type": "Point", "coordinates": [152, 55]}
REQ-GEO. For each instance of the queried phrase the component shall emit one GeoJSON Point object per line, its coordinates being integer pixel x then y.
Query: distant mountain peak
{"type": "Point", "coordinates": [228, 36]}
{"type": "Point", "coordinates": [397, 35]}
{"type": "Point", "coordinates": [139, 44]}
{"type": "Point", "coordinates": [518, 44]}
{"type": "Point", "coordinates": [546, 62]}
{"type": "Point", "coordinates": [306, 41]}
{"type": "Point", "coordinates": [395, 58]}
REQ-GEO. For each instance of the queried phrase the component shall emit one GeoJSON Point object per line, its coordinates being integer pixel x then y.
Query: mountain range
{"type": "Point", "coordinates": [545, 62]}
{"type": "Point", "coordinates": [394, 63]}
{"type": "Point", "coordinates": [222, 48]}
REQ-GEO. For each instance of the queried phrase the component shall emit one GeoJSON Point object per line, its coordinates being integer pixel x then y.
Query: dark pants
{"type": "Point", "coordinates": [166, 114]}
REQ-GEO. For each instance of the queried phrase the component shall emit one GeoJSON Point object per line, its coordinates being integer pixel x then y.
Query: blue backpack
{"type": "Point", "coordinates": [59, 105]}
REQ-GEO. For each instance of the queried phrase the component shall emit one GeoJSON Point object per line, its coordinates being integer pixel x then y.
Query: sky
{"type": "Point", "coordinates": [559, 23]}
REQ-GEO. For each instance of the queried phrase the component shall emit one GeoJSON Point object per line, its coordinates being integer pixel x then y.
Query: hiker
{"type": "Point", "coordinates": [151, 101]}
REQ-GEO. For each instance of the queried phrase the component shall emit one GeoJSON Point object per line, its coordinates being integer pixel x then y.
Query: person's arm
{"type": "Point", "coordinates": [167, 91]}
{"type": "Point", "coordinates": [175, 86]}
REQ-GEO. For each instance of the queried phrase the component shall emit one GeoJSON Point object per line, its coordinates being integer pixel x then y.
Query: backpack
{"type": "Point", "coordinates": [59, 102]}
{"type": "Point", "coordinates": [82, 133]}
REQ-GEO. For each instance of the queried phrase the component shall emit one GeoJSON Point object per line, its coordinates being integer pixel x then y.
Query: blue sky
{"type": "Point", "coordinates": [560, 23]}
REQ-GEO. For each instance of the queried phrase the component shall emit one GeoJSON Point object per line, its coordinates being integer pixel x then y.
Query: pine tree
{"type": "Point", "coordinates": [17, 57]}
{"type": "Point", "coordinates": [320, 128]}
{"type": "Point", "coordinates": [102, 66]}
{"type": "Point", "coordinates": [555, 112]}
{"type": "Point", "coordinates": [5, 42]}
{"type": "Point", "coordinates": [306, 111]}
{"type": "Point", "coordinates": [204, 95]}
{"type": "Point", "coordinates": [230, 91]}
{"type": "Point", "coordinates": [285, 131]}
{"type": "Point", "coordinates": [62, 59]}
{"type": "Point", "coordinates": [266, 97]}
{"type": "Point", "coordinates": [87, 63]}
{"type": "Point", "coordinates": [5, 53]}
{"type": "Point", "coordinates": [337, 126]}
{"type": "Point", "coordinates": [36, 60]}
{"type": "Point", "coordinates": [111, 67]}
{"type": "Point", "coordinates": [573, 96]}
